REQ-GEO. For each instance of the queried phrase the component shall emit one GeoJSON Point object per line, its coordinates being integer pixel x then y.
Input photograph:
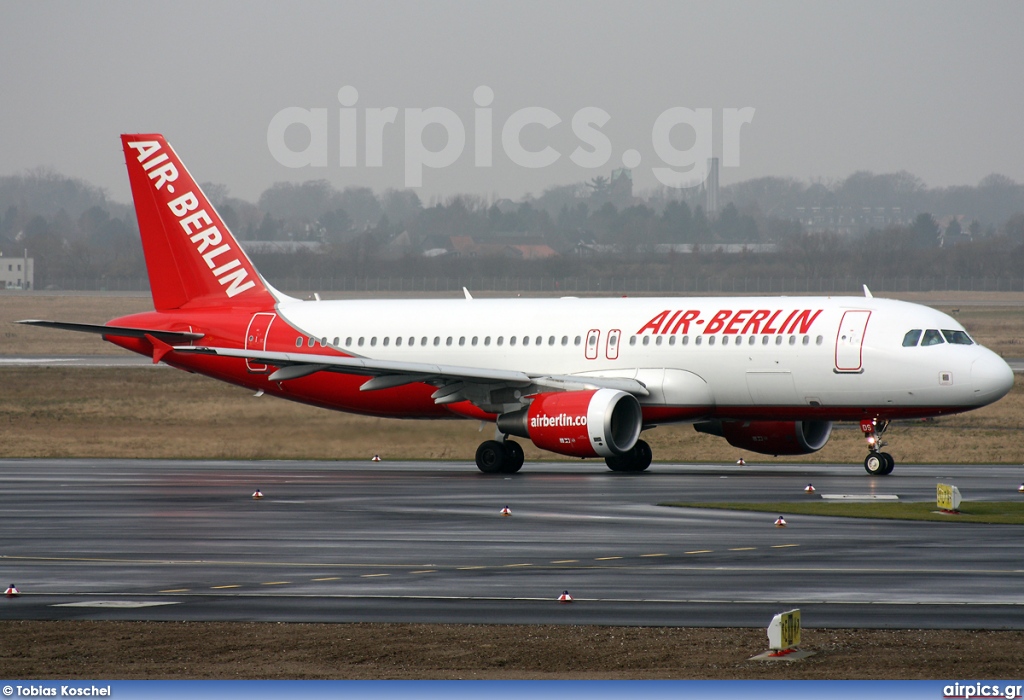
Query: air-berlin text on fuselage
{"type": "Point", "coordinates": [199, 228]}
{"type": "Point", "coordinates": [729, 322]}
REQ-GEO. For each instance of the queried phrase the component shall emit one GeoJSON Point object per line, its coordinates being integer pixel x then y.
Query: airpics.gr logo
{"type": "Point", "coordinates": [678, 168]}
{"type": "Point", "coordinates": [981, 690]}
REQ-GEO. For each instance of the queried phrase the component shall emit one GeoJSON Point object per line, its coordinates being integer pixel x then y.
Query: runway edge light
{"type": "Point", "coordinates": [257, 495]}
{"type": "Point", "coordinates": [809, 488]}
{"type": "Point", "coordinates": [506, 512]}
{"type": "Point", "coordinates": [565, 597]}
{"type": "Point", "coordinates": [780, 522]}
{"type": "Point", "coordinates": [12, 591]}
{"type": "Point", "coordinates": [375, 458]}
{"type": "Point", "coordinates": [742, 462]}
{"type": "Point", "coordinates": [1020, 489]}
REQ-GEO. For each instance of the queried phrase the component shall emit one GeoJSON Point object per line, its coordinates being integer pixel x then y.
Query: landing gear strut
{"type": "Point", "coordinates": [876, 463]}
{"type": "Point", "coordinates": [636, 460]}
{"type": "Point", "coordinates": [499, 457]}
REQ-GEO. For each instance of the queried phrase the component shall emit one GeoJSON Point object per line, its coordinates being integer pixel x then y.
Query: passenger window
{"type": "Point", "coordinates": [386, 341]}
{"type": "Point", "coordinates": [671, 340]}
{"type": "Point", "coordinates": [412, 341]}
{"type": "Point", "coordinates": [613, 340]}
{"type": "Point", "coordinates": [361, 342]}
{"type": "Point", "coordinates": [487, 340]}
{"type": "Point", "coordinates": [792, 340]}
{"type": "Point", "coordinates": [298, 342]}
{"type": "Point", "coordinates": [592, 340]}
{"type": "Point", "coordinates": [474, 341]}
{"type": "Point", "coordinates": [512, 340]}
{"type": "Point", "coordinates": [423, 340]}
{"type": "Point", "coordinates": [526, 340]}
{"type": "Point", "coordinates": [657, 340]}
{"type": "Point", "coordinates": [647, 340]}
{"type": "Point", "coordinates": [751, 340]}
{"type": "Point", "coordinates": [911, 338]}
{"type": "Point", "coordinates": [818, 340]}
{"type": "Point", "coordinates": [437, 340]}
{"type": "Point", "coordinates": [565, 340]}
{"type": "Point", "coordinates": [577, 341]}
{"type": "Point", "coordinates": [312, 342]}
{"type": "Point", "coordinates": [697, 340]}
{"type": "Point", "coordinates": [501, 339]}
{"type": "Point", "coordinates": [551, 340]}
{"type": "Point", "coordinates": [540, 340]}
{"type": "Point", "coordinates": [373, 341]}
{"type": "Point", "coordinates": [725, 340]}
{"type": "Point", "coordinates": [323, 342]}
{"type": "Point", "coordinates": [632, 340]}
{"type": "Point", "coordinates": [711, 340]}
{"type": "Point", "coordinates": [778, 340]}
{"type": "Point", "coordinates": [807, 340]}
{"type": "Point", "coordinates": [448, 342]}
{"type": "Point", "coordinates": [398, 342]}
{"type": "Point", "coordinates": [462, 340]}
{"type": "Point", "coordinates": [336, 339]}
{"type": "Point", "coordinates": [686, 340]}
{"type": "Point", "coordinates": [932, 337]}
{"type": "Point", "coordinates": [764, 340]}
{"type": "Point", "coordinates": [348, 342]}
{"type": "Point", "coordinates": [957, 338]}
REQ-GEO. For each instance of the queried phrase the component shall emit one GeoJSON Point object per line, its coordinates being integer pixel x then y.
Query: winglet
{"type": "Point", "coordinates": [466, 292]}
{"type": "Point", "coordinates": [867, 292]}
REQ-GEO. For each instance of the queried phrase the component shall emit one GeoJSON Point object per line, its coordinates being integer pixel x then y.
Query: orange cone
{"type": "Point", "coordinates": [809, 488]}
{"type": "Point", "coordinates": [565, 597]}
{"type": "Point", "coordinates": [12, 591]}
{"type": "Point", "coordinates": [257, 495]}
{"type": "Point", "coordinates": [781, 522]}
{"type": "Point", "coordinates": [506, 512]}
{"type": "Point", "coordinates": [375, 458]}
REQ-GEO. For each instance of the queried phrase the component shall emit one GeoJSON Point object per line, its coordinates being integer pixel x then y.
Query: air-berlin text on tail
{"type": "Point", "coordinates": [729, 322]}
{"type": "Point", "coordinates": [199, 227]}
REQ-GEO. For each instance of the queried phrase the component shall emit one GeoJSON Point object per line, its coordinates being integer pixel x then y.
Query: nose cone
{"type": "Point", "coordinates": [991, 377]}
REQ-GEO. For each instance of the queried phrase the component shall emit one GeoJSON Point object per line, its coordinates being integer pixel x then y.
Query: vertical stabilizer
{"type": "Point", "coordinates": [191, 256]}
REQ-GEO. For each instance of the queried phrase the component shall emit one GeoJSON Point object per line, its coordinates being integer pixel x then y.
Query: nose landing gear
{"type": "Point", "coordinates": [877, 463]}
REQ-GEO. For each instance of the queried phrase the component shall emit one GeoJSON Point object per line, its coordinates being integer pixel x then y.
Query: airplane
{"type": "Point", "coordinates": [579, 377]}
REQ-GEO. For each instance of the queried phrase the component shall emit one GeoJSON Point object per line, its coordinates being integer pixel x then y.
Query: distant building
{"type": "Point", "coordinates": [17, 272]}
{"type": "Point", "coordinates": [280, 247]}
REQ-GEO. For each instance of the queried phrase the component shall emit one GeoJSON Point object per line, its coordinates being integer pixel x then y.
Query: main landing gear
{"type": "Point", "coordinates": [876, 463]}
{"type": "Point", "coordinates": [499, 457]}
{"type": "Point", "coordinates": [636, 460]}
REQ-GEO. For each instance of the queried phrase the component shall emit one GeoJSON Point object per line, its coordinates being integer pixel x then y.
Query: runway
{"type": "Point", "coordinates": [424, 542]}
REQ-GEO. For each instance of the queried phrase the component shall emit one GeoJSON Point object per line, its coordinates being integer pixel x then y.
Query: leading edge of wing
{"type": "Point", "coordinates": [117, 331]}
{"type": "Point", "coordinates": [295, 365]}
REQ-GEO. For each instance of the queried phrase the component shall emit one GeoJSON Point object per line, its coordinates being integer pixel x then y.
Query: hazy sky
{"type": "Point", "coordinates": [929, 87]}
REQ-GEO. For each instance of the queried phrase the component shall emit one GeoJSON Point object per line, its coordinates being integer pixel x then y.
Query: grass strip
{"type": "Point", "coordinates": [993, 512]}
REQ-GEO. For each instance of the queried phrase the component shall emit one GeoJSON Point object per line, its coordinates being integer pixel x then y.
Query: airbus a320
{"type": "Point", "coordinates": [577, 377]}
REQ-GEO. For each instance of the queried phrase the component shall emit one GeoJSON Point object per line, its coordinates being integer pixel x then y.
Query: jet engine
{"type": "Point", "coordinates": [597, 423]}
{"type": "Point", "coordinates": [771, 437]}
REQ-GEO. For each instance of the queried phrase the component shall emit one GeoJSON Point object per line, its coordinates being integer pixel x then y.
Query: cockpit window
{"type": "Point", "coordinates": [932, 337]}
{"type": "Point", "coordinates": [957, 337]}
{"type": "Point", "coordinates": [911, 338]}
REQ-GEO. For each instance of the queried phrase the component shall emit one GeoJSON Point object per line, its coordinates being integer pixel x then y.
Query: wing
{"type": "Point", "coordinates": [481, 386]}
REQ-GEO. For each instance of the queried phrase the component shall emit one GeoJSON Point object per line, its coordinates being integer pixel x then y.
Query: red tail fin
{"type": "Point", "coordinates": [191, 256]}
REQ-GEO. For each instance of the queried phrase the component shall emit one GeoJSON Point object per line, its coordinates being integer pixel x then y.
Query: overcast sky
{"type": "Point", "coordinates": [929, 87]}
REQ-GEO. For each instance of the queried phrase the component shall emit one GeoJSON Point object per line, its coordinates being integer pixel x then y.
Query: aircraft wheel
{"type": "Point", "coordinates": [890, 463]}
{"type": "Point", "coordinates": [875, 464]}
{"type": "Point", "coordinates": [642, 456]}
{"type": "Point", "coordinates": [514, 457]}
{"type": "Point", "coordinates": [636, 460]}
{"type": "Point", "coordinates": [490, 457]}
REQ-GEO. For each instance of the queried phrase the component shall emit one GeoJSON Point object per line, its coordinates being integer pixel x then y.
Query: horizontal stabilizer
{"type": "Point", "coordinates": [118, 331]}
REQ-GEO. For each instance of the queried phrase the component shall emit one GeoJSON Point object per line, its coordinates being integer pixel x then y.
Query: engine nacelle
{"type": "Point", "coordinates": [598, 423]}
{"type": "Point", "coordinates": [771, 437]}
